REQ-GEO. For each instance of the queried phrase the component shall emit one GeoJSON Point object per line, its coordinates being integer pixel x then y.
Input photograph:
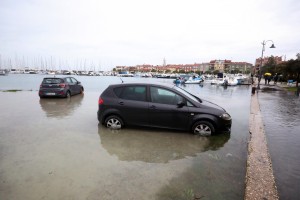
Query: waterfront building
{"type": "Point", "coordinates": [214, 65]}
{"type": "Point", "coordinates": [230, 67]}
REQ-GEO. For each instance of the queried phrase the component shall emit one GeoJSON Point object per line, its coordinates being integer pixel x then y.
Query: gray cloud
{"type": "Point", "coordinates": [135, 32]}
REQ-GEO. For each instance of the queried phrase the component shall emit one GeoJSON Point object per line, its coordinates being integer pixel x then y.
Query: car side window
{"type": "Point", "coordinates": [118, 91]}
{"type": "Point", "coordinates": [163, 96]}
{"type": "Point", "coordinates": [136, 93]}
{"type": "Point", "coordinates": [74, 80]}
{"type": "Point", "coordinates": [189, 104]}
{"type": "Point", "coordinates": [68, 80]}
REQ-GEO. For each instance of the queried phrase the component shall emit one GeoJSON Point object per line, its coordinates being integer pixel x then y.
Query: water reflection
{"type": "Point", "coordinates": [58, 107]}
{"type": "Point", "coordinates": [281, 116]}
{"type": "Point", "coordinates": [156, 146]}
{"type": "Point", "coordinates": [282, 106]}
{"type": "Point", "coordinates": [206, 89]}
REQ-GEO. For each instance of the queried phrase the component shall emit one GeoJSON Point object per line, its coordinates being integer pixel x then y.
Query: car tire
{"type": "Point", "coordinates": [68, 94]}
{"type": "Point", "coordinates": [113, 122]}
{"type": "Point", "coordinates": [203, 128]}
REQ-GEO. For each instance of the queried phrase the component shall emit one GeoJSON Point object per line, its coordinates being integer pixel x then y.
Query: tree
{"type": "Point", "coordinates": [227, 71]}
{"type": "Point", "coordinates": [198, 72]}
{"type": "Point", "coordinates": [269, 66]}
{"type": "Point", "coordinates": [235, 71]}
{"type": "Point", "coordinates": [293, 70]}
{"type": "Point", "coordinates": [216, 71]}
{"type": "Point", "coordinates": [281, 70]}
{"type": "Point", "coordinates": [247, 71]}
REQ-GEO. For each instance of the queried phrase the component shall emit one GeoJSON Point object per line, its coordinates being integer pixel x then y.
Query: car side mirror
{"type": "Point", "coordinates": [180, 104]}
{"type": "Point", "coordinates": [78, 82]}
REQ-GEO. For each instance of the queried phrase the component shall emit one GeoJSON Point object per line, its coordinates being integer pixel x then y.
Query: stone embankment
{"type": "Point", "coordinates": [260, 181]}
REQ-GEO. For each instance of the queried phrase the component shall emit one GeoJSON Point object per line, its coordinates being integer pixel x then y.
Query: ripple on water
{"type": "Point", "coordinates": [281, 117]}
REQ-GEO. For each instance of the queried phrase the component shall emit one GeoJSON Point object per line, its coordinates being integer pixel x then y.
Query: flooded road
{"type": "Point", "coordinates": [55, 149]}
{"type": "Point", "coordinates": [281, 116]}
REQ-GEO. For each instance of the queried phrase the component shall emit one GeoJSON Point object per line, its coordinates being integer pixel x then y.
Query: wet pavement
{"type": "Point", "coordinates": [55, 149]}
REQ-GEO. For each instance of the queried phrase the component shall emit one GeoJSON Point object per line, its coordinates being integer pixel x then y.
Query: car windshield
{"type": "Point", "coordinates": [52, 80]}
{"type": "Point", "coordinates": [191, 96]}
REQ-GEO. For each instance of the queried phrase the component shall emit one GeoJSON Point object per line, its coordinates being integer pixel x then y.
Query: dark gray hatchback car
{"type": "Point", "coordinates": [160, 106]}
{"type": "Point", "coordinates": [60, 87]}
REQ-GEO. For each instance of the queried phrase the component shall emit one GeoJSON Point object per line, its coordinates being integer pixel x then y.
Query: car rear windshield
{"type": "Point", "coordinates": [52, 80]}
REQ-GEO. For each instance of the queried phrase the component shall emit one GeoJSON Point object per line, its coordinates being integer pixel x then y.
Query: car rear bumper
{"type": "Point", "coordinates": [57, 93]}
{"type": "Point", "coordinates": [98, 117]}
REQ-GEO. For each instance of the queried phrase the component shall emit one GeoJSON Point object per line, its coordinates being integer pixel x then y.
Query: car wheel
{"type": "Point", "coordinates": [68, 94]}
{"type": "Point", "coordinates": [81, 90]}
{"type": "Point", "coordinates": [113, 122]}
{"type": "Point", "coordinates": [203, 128]}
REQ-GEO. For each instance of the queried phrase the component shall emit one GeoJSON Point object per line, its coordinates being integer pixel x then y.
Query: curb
{"type": "Point", "coordinates": [260, 181]}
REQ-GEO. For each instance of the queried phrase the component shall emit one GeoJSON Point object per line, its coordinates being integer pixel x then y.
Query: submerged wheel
{"type": "Point", "coordinates": [113, 122]}
{"type": "Point", "coordinates": [203, 128]}
{"type": "Point", "coordinates": [68, 94]}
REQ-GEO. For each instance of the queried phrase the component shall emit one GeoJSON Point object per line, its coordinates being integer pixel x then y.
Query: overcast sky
{"type": "Point", "coordinates": [111, 33]}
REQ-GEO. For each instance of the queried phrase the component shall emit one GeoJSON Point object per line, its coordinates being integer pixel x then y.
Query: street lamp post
{"type": "Point", "coordinates": [261, 59]}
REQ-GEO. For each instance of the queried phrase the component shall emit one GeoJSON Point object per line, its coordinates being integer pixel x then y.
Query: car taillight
{"type": "Point", "coordinates": [100, 101]}
{"type": "Point", "coordinates": [62, 85]}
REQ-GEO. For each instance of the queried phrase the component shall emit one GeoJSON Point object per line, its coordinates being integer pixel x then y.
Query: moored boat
{"type": "Point", "coordinates": [125, 74]}
{"type": "Point", "coordinates": [194, 80]}
{"type": "Point", "coordinates": [3, 72]}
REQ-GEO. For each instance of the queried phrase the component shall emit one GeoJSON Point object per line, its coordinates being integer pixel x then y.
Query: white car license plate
{"type": "Point", "coordinates": [50, 94]}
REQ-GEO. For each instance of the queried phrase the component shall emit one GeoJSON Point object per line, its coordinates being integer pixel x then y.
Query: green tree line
{"type": "Point", "coordinates": [289, 70]}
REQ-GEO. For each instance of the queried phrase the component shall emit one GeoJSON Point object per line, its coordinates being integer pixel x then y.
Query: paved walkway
{"type": "Point", "coordinates": [260, 182]}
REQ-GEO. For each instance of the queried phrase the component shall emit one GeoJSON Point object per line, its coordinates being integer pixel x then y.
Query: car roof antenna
{"type": "Point", "coordinates": [122, 80]}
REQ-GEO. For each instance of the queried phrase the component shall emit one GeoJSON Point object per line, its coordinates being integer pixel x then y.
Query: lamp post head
{"type": "Point", "coordinates": [272, 46]}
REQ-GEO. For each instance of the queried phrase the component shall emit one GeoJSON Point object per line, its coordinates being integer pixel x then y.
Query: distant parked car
{"type": "Point", "coordinates": [161, 106]}
{"type": "Point", "coordinates": [60, 87]}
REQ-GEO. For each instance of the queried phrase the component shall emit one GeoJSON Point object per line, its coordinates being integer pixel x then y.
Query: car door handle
{"type": "Point", "coordinates": [153, 107]}
{"type": "Point", "coordinates": [121, 103]}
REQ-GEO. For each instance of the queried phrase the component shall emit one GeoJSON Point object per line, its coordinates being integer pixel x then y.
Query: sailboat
{"type": "Point", "coordinates": [3, 72]}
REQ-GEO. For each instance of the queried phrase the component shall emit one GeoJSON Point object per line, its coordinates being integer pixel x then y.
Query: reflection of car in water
{"type": "Point", "coordinates": [156, 146]}
{"type": "Point", "coordinates": [60, 107]}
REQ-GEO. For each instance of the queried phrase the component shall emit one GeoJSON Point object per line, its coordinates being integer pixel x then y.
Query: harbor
{"type": "Point", "coordinates": [149, 100]}
{"type": "Point", "coordinates": [55, 148]}
{"type": "Point", "coordinates": [43, 154]}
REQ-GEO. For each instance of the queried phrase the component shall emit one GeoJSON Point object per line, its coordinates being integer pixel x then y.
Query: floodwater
{"type": "Point", "coordinates": [281, 116]}
{"type": "Point", "coordinates": [55, 148]}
